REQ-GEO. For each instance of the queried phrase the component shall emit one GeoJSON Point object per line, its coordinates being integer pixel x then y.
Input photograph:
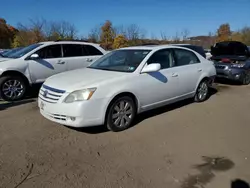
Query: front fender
{"type": "Point", "coordinates": [24, 71]}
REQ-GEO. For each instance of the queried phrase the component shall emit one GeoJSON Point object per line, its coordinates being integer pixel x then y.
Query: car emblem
{"type": "Point", "coordinates": [45, 93]}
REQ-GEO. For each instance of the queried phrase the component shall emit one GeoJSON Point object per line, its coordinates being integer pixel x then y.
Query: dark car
{"type": "Point", "coordinates": [232, 61]}
{"type": "Point", "coordinates": [198, 49]}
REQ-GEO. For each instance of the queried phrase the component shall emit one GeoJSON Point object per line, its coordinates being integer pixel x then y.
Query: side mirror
{"type": "Point", "coordinates": [34, 56]}
{"type": "Point", "coordinates": [154, 67]}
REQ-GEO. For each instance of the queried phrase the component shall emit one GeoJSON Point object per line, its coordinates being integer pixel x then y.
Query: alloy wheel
{"type": "Point", "coordinates": [12, 89]}
{"type": "Point", "coordinates": [122, 113]}
{"type": "Point", "coordinates": [202, 91]}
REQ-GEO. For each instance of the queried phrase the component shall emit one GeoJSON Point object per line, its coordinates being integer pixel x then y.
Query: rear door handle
{"type": "Point", "coordinates": [199, 70]}
{"type": "Point", "coordinates": [174, 75]}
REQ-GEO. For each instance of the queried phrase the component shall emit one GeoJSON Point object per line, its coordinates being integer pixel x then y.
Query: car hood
{"type": "Point", "coordinates": [229, 48]}
{"type": "Point", "coordinates": [81, 78]}
{"type": "Point", "coordinates": [4, 59]}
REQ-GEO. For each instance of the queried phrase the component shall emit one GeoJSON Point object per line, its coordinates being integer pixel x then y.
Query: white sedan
{"type": "Point", "coordinates": [123, 83]}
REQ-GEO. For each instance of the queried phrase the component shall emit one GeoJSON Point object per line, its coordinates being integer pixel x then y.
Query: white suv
{"type": "Point", "coordinates": [123, 83]}
{"type": "Point", "coordinates": [35, 63]}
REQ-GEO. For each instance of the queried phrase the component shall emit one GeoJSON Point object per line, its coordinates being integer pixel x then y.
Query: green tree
{"type": "Point", "coordinates": [120, 41]}
{"type": "Point", "coordinates": [107, 35]}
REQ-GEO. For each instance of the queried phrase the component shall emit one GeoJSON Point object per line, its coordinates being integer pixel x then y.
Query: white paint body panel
{"type": "Point", "coordinates": [37, 71]}
{"type": "Point", "coordinates": [151, 90]}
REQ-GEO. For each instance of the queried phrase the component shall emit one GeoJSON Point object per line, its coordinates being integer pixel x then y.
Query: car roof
{"type": "Point", "coordinates": [152, 47]}
{"type": "Point", "coordinates": [68, 42]}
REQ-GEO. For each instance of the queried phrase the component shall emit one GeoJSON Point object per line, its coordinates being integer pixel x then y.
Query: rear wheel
{"type": "Point", "coordinates": [121, 114]}
{"type": "Point", "coordinates": [12, 88]}
{"type": "Point", "coordinates": [202, 91]}
{"type": "Point", "coordinates": [246, 79]}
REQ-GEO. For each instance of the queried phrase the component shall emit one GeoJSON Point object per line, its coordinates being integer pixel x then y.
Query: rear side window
{"type": "Point", "coordinates": [91, 50]}
{"type": "Point", "coordinates": [49, 52]}
{"type": "Point", "coordinates": [197, 49]}
{"type": "Point", "coordinates": [185, 57]}
{"type": "Point", "coordinates": [73, 50]}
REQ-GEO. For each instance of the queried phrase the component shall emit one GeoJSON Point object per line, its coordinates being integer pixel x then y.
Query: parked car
{"type": "Point", "coordinates": [123, 83]}
{"type": "Point", "coordinates": [232, 61]}
{"type": "Point", "coordinates": [6, 54]}
{"type": "Point", "coordinates": [35, 63]}
{"type": "Point", "coordinates": [198, 49]}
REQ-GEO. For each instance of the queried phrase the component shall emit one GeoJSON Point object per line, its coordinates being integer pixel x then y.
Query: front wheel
{"type": "Point", "coordinates": [202, 91]}
{"type": "Point", "coordinates": [246, 79]}
{"type": "Point", "coordinates": [12, 88]}
{"type": "Point", "coordinates": [121, 114]}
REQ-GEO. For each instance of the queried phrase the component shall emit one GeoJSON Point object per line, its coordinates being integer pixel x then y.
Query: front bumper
{"type": "Point", "coordinates": [231, 74]}
{"type": "Point", "coordinates": [77, 114]}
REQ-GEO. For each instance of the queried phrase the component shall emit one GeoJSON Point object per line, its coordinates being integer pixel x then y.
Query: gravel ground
{"type": "Point", "coordinates": [186, 145]}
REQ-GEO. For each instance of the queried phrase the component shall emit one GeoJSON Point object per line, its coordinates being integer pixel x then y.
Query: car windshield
{"type": "Point", "coordinates": [23, 51]}
{"type": "Point", "coordinates": [120, 60]}
{"type": "Point", "coordinates": [12, 51]}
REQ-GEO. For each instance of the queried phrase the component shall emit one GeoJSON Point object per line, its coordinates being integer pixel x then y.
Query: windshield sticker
{"type": "Point", "coordinates": [131, 68]}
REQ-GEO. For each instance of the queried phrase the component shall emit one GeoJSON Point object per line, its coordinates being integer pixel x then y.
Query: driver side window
{"type": "Point", "coordinates": [163, 57]}
{"type": "Point", "coordinates": [49, 52]}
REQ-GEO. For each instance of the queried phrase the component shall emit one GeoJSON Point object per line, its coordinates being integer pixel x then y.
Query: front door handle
{"type": "Point", "coordinates": [89, 60]}
{"type": "Point", "coordinates": [174, 75]}
{"type": "Point", "coordinates": [199, 70]}
{"type": "Point", "coordinates": [60, 62]}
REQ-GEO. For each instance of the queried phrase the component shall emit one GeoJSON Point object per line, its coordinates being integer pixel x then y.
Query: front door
{"type": "Point", "coordinates": [158, 88]}
{"type": "Point", "coordinates": [50, 62]}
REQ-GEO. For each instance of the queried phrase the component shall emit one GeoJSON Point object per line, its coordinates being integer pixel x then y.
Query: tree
{"type": "Point", "coordinates": [94, 34]}
{"type": "Point", "coordinates": [224, 33]}
{"type": "Point", "coordinates": [120, 41]}
{"type": "Point", "coordinates": [107, 35]}
{"type": "Point", "coordinates": [60, 30]}
{"type": "Point", "coordinates": [236, 36]}
{"type": "Point", "coordinates": [185, 34]}
{"type": "Point", "coordinates": [7, 34]}
{"type": "Point", "coordinates": [245, 32]}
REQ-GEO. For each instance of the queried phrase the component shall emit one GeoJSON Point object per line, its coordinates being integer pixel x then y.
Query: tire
{"type": "Point", "coordinates": [246, 79]}
{"type": "Point", "coordinates": [202, 91]}
{"type": "Point", "coordinates": [120, 114]}
{"type": "Point", "coordinates": [12, 88]}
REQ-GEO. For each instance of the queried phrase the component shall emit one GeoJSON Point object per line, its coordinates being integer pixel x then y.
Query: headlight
{"type": "Point", "coordinates": [237, 65]}
{"type": "Point", "coordinates": [80, 95]}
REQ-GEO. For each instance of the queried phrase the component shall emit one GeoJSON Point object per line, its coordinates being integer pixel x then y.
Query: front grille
{"type": "Point", "coordinates": [49, 94]}
{"type": "Point", "coordinates": [220, 66]}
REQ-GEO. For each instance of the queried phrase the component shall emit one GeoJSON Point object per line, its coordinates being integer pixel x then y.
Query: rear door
{"type": "Point", "coordinates": [188, 68]}
{"type": "Point", "coordinates": [92, 53]}
{"type": "Point", "coordinates": [74, 56]}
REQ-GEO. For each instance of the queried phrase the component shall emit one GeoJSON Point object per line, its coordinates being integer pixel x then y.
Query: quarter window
{"type": "Point", "coordinates": [49, 52]}
{"type": "Point", "coordinates": [92, 50]}
{"type": "Point", "coordinates": [163, 57]}
{"type": "Point", "coordinates": [185, 57]}
{"type": "Point", "coordinates": [73, 50]}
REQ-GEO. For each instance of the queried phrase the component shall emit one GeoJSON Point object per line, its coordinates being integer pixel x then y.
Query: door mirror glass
{"type": "Point", "coordinates": [34, 56]}
{"type": "Point", "coordinates": [153, 67]}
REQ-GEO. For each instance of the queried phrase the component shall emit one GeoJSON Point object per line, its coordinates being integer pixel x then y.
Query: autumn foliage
{"type": "Point", "coordinates": [120, 41]}
{"type": "Point", "coordinates": [109, 36]}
